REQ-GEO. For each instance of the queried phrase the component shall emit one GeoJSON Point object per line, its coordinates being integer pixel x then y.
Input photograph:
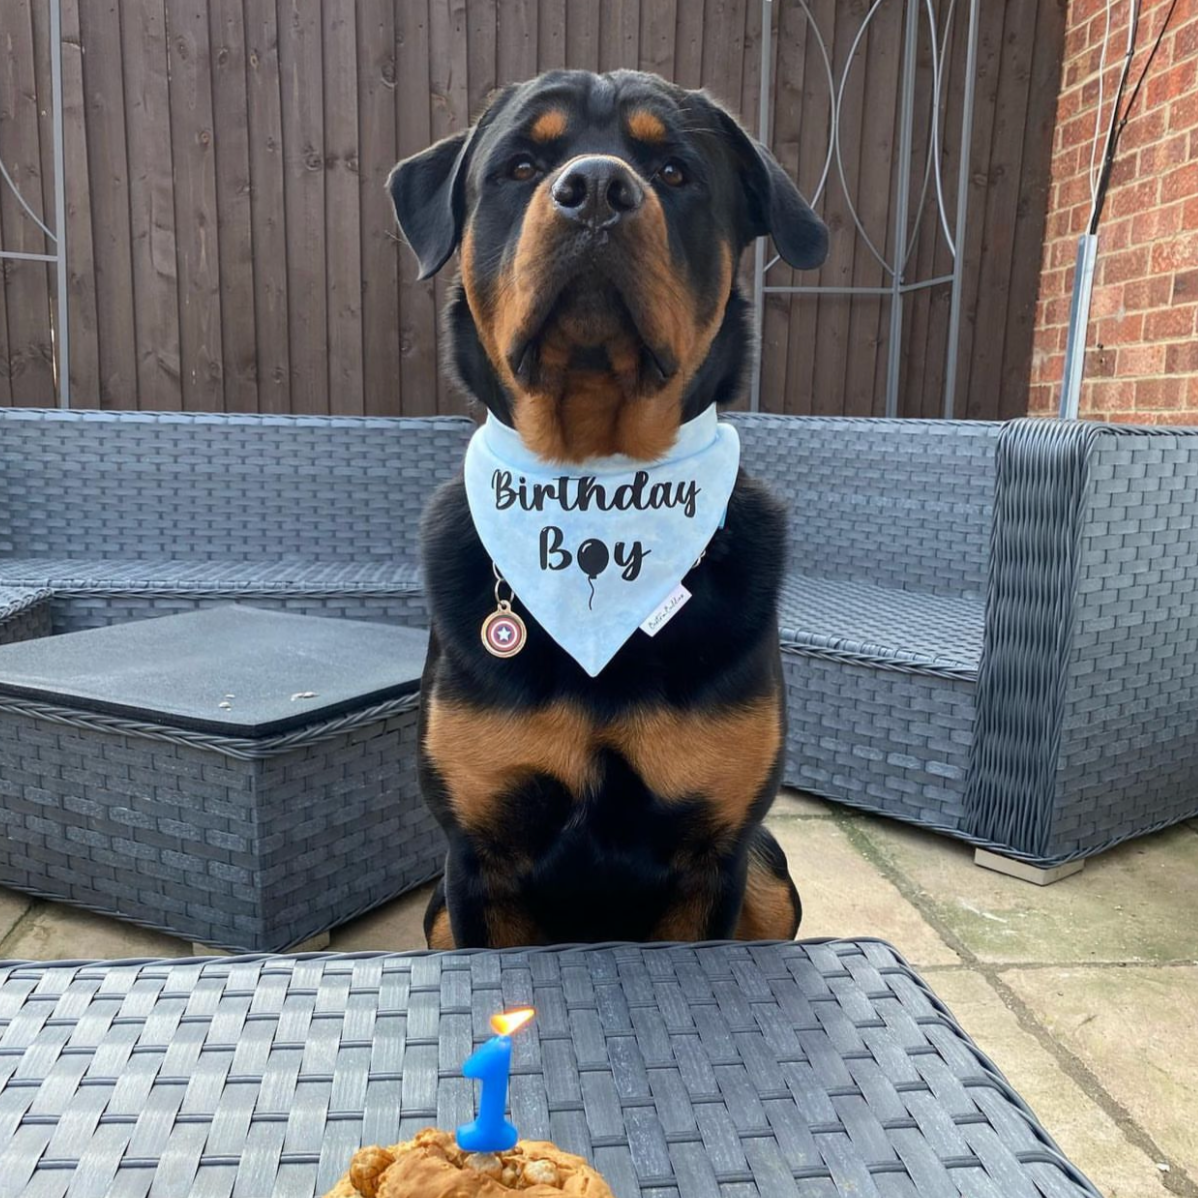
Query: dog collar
{"type": "Point", "coordinates": [595, 550]}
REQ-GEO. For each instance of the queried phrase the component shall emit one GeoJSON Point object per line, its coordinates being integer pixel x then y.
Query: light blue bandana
{"type": "Point", "coordinates": [595, 550]}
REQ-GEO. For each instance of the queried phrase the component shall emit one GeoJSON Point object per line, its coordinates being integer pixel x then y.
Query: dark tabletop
{"type": "Point", "coordinates": [808, 1070]}
{"type": "Point", "coordinates": [276, 671]}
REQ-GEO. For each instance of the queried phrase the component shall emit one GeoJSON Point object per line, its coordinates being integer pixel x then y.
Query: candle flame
{"type": "Point", "coordinates": [511, 1021]}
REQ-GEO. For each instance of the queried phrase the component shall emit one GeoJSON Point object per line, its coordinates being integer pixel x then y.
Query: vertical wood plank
{"type": "Point", "coordinates": [450, 102]}
{"type": "Point", "coordinates": [481, 34]}
{"type": "Point", "coordinates": [1002, 197]}
{"type": "Point", "coordinates": [1031, 210]}
{"type": "Point", "coordinates": [81, 259]}
{"type": "Point", "coordinates": [30, 357]}
{"type": "Point", "coordinates": [790, 40]}
{"type": "Point", "coordinates": [925, 335]}
{"type": "Point", "coordinates": [749, 105]}
{"type": "Point", "coordinates": [582, 34]}
{"type": "Point", "coordinates": [5, 366]}
{"type": "Point", "coordinates": [108, 177]}
{"type": "Point", "coordinates": [516, 42]}
{"type": "Point", "coordinates": [876, 71]}
{"type": "Point", "coordinates": [914, 392]}
{"type": "Point", "coordinates": [380, 283]}
{"type": "Point", "coordinates": [44, 104]}
{"type": "Point", "coordinates": [235, 243]}
{"type": "Point", "coordinates": [301, 72]}
{"type": "Point", "coordinates": [196, 232]}
{"type": "Point", "coordinates": [658, 26]}
{"type": "Point", "coordinates": [619, 34]}
{"type": "Point", "coordinates": [268, 219]}
{"type": "Point", "coordinates": [803, 393]}
{"type": "Point", "coordinates": [551, 35]}
{"type": "Point", "coordinates": [417, 304]}
{"type": "Point", "coordinates": [723, 50]}
{"type": "Point", "coordinates": [991, 21]}
{"type": "Point", "coordinates": [688, 43]}
{"type": "Point", "coordinates": [152, 204]}
{"type": "Point", "coordinates": [832, 327]}
{"type": "Point", "coordinates": [342, 217]}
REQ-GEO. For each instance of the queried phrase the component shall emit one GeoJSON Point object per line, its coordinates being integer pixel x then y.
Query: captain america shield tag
{"type": "Point", "coordinates": [503, 632]}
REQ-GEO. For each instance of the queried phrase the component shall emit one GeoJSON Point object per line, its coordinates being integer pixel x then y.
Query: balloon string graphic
{"type": "Point", "coordinates": [591, 601]}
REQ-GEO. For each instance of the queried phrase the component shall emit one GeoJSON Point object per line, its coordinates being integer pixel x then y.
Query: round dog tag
{"type": "Point", "coordinates": [503, 632]}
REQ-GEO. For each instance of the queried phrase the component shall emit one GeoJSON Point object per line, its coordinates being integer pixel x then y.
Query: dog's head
{"type": "Point", "coordinates": [600, 219]}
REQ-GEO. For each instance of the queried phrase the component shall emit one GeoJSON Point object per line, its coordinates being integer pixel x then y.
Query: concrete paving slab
{"type": "Point", "coordinates": [13, 905]}
{"type": "Point", "coordinates": [1089, 1136]}
{"type": "Point", "coordinates": [1136, 1029]}
{"type": "Point", "coordinates": [1137, 902]}
{"type": "Point", "coordinates": [395, 927]}
{"type": "Point", "coordinates": [796, 802]}
{"type": "Point", "coordinates": [845, 895]}
{"type": "Point", "coordinates": [56, 932]}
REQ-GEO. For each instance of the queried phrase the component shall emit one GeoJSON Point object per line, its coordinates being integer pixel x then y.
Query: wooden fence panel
{"type": "Point", "coordinates": [29, 357]}
{"type": "Point", "coordinates": [231, 246]}
{"type": "Point", "coordinates": [234, 213]}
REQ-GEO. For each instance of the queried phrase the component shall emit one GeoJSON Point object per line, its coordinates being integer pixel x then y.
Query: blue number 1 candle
{"type": "Point", "coordinates": [492, 1065]}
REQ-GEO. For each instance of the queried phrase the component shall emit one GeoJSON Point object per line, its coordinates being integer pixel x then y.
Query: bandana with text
{"type": "Point", "coordinates": [592, 550]}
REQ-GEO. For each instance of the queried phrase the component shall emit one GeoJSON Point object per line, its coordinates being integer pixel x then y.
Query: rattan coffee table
{"type": "Point", "coordinates": [801, 1070]}
{"type": "Point", "coordinates": [242, 778]}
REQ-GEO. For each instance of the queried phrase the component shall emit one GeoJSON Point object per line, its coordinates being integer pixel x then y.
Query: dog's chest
{"type": "Point", "coordinates": [551, 763]}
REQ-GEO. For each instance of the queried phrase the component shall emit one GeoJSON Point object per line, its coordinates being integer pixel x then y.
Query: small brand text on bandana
{"type": "Point", "coordinates": [673, 604]}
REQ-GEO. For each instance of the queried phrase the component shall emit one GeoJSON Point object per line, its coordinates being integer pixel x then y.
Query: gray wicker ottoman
{"type": "Point", "coordinates": [24, 613]}
{"type": "Point", "coordinates": [808, 1070]}
{"type": "Point", "coordinates": [238, 777]}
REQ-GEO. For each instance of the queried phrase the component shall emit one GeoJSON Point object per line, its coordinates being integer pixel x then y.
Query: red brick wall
{"type": "Point", "coordinates": [1142, 351]}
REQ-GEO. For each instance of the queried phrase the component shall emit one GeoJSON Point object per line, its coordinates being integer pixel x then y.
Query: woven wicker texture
{"type": "Point", "coordinates": [75, 612]}
{"type": "Point", "coordinates": [721, 1071]}
{"type": "Point", "coordinates": [242, 488]}
{"type": "Point", "coordinates": [1057, 727]}
{"type": "Point", "coordinates": [24, 614]}
{"type": "Point", "coordinates": [1049, 719]}
{"type": "Point", "coordinates": [1093, 594]}
{"type": "Point", "coordinates": [206, 841]}
{"type": "Point", "coordinates": [898, 503]}
{"type": "Point", "coordinates": [892, 629]}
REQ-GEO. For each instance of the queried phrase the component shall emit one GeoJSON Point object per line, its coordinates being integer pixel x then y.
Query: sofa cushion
{"type": "Point", "coordinates": [76, 575]}
{"type": "Point", "coordinates": [883, 627]}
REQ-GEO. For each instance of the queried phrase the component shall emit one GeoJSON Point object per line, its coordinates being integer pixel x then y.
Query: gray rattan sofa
{"type": "Point", "coordinates": [991, 629]}
{"type": "Point", "coordinates": [988, 629]}
{"type": "Point", "coordinates": [123, 516]}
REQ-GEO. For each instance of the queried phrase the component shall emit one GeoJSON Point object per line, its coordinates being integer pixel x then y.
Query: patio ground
{"type": "Point", "coordinates": [1084, 993]}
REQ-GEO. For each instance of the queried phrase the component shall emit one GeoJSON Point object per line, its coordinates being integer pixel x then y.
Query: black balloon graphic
{"type": "Point", "coordinates": [592, 561]}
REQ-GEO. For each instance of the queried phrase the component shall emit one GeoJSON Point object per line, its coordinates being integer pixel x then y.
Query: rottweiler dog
{"type": "Point", "coordinates": [599, 221]}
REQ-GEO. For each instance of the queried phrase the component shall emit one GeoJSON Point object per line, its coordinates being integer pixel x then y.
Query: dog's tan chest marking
{"type": "Point", "coordinates": [723, 758]}
{"type": "Point", "coordinates": [482, 753]}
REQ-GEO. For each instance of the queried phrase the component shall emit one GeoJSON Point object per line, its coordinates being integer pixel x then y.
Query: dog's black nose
{"type": "Point", "coordinates": [597, 191]}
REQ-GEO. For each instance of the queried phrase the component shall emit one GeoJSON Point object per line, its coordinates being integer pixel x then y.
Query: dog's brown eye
{"type": "Point", "coordinates": [672, 175]}
{"type": "Point", "coordinates": [523, 169]}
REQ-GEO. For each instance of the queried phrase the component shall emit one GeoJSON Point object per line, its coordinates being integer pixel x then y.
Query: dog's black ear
{"type": "Point", "coordinates": [775, 206]}
{"type": "Point", "coordinates": [429, 197]}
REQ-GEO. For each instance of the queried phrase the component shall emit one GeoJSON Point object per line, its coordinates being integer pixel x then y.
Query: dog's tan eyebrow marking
{"type": "Point", "coordinates": [646, 126]}
{"type": "Point", "coordinates": [549, 125]}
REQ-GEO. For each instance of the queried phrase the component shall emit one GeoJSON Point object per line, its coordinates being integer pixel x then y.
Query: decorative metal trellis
{"type": "Point", "coordinates": [895, 268]}
{"type": "Point", "coordinates": [56, 237]}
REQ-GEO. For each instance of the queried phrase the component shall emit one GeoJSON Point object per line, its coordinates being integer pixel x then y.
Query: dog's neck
{"type": "Point", "coordinates": [718, 380]}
